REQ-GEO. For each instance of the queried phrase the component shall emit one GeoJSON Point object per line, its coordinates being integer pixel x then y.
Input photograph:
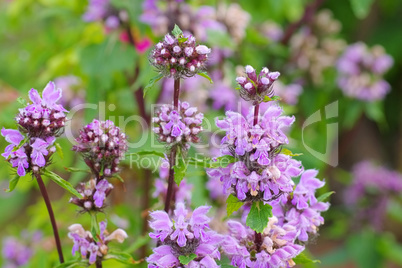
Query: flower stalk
{"type": "Point", "coordinates": [43, 191]}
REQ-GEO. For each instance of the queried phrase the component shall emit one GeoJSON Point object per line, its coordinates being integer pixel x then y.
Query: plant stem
{"type": "Point", "coordinates": [306, 18]}
{"type": "Point", "coordinates": [173, 150]}
{"type": "Point", "coordinates": [257, 241]}
{"type": "Point", "coordinates": [42, 188]}
{"type": "Point", "coordinates": [176, 93]}
{"type": "Point", "coordinates": [256, 111]}
{"type": "Point", "coordinates": [98, 263]}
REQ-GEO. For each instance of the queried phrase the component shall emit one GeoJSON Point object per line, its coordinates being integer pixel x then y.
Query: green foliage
{"type": "Point", "coordinates": [73, 263]}
{"type": "Point", "coordinates": [288, 152]}
{"type": "Point", "coordinates": [180, 169]}
{"type": "Point", "coordinates": [205, 75]}
{"type": "Point", "coordinates": [323, 197]}
{"type": "Point", "coordinates": [273, 98]}
{"type": "Point", "coordinates": [232, 204]}
{"type": "Point", "coordinates": [152, 82]}
{"type": "Point", "coordinates": [122, 257]}
{"type": "Point", "coordinates": [303, 259]}
{"type": "Point", "coordinates": [61, 182]}
{"type": "Point", "coordinates": [186, 259]}
{"type": "Point", "coordinates": [13, 183]}
{"type": "Point", "coordinates": [259, 216]}
{"type": "Point", "coordinates": [59, 150]}
{"type": "Point", "coordinates": [361, 8]}
{"type": "Point", "coordinates": [177, 32]}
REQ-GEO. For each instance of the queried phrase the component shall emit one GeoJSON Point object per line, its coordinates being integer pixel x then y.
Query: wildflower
{"type": "Point", "coordinates": [187, 235]}
{"type": "Point", "coordinates": [361, 71]}
{"type": "Point", "coordinates": [89, 248]}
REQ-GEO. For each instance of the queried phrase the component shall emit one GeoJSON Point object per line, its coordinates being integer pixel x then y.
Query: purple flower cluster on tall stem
{"type": "Point", "coordinates": [32, 145]}
{"type": "Point", "coordinates": [183, 235]}
{"type": "Point", "coordinates": [361, 72]}
{"type": "Point", "coordinates": [102, 10]}
{"type": "Point", "coordinates": [179, 124]}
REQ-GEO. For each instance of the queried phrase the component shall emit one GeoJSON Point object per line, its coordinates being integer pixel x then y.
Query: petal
{"type": "Point", "coordinates": [34, 96]}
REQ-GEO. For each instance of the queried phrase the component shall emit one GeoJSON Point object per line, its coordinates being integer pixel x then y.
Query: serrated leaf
{"type": "Point", "coordinates": [177, 31]}
{"type": "Point", "coordinates": [232, 204]}
{"type": "Point", "coordinates": [289, 152]}
{"type": "Point", "coordinates": [205, 75]}
{"type": "Point", "coordinates": [273, 98]}
{"type": "Point", "coordinates": [22, 101]}
{"type": "Point", "coordinates": [13, 183]}
{"type": "Point", "coordinates": [322, 197]}
{"type": "Point", "coordinates": [180, 170]}
{"type": "Point", "coordinates": [259, 216]}
{"type": "Point", "coordinates": [122, 257]}
{"type": "Point", "coordinates": [59, 150]}
{"type": "Point", "coordinates": [303, 259]}
{"type": "Point", "coordinates": [152, 82]}
{"type": "Point", "coordinates": [361, 8]}
{"type": "Point", "coordinates": [61, 182]}
{"type": "Point", "coordinates": [186, 259]}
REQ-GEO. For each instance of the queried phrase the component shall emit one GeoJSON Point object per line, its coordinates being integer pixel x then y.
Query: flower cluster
{"type": "Point", "coordinates": [371, 191]}
{"type": "Point", "coordinates": [262, 172]}
{"type": "Point", "coordinates": [15, 253]}
{"type": "Point", "coordinates": [183, 236]}
{"type": "Point", "coordinates": [254, 88]}
{"type": "Point", "coordinates": [288, 93]}
{"type": "Point", "coordinates": [92, 248]}
{"type": "Point", "coordinates": [41, 121]}
{"type": "Point", "coordinates": [276, 248]}
{"type": "Point", "coordinates": [93, 195]}
{"type": "Point", "coordinates": [361, 72]}
{"type": "Point", "coordinates": [102, 10]}
{"type": "Point", "coordinates": [73, 93]}
{"type": "Point", "coordinates": [102, 145]}
{"type": "Point", "coordinates": [179, 57]}
{"type": "Point", "coordinates": [302, 210]}
{"type": "Point", "coordinates": [181, 193]}
{"type": "Point", "coordinates": [182, 126]}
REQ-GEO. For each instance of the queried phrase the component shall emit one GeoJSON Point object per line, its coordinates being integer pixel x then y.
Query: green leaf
{"type": "Point", "coordinates": [160, 154]}
{"type": "Point", "coordinates": [323, 197]}
{"type": "Point", "coordinates": [258, 217]}
{"type": "Point", "coordinates": [288, 152]}
{"type": "Point", "coordinates": [122, 257]}
{"type": "Point", "coordinates": [94, 225]}
{"type": "Point", "coordinates": [61, 182]}
{"type": "Point", "coordinates": [205, 75]}
{"type": "Point", "coordinates": [361, 8]}
{"type": "Point", "coordinates": [273, 98]}
{"type": "Point", "coordinates": [180, 170]}
{"type": "Point", "coordinates": [186, 259]}
{"type": "Point", "coordinates": [177, 31]}
{"type": "Point", "coordinates": [13, 183]}
{"type": "Point", "coordinates": [303, 259]}
{"type": "Point", "coordinates": [182, 39]}
{"type": "Point", "coordinates": [59, 150]}
{"type": "Point", "coordinates": [73, 169]}
{"type": "Point", "coordinates": [232, 204]}
{"type": "Point", "coordinates": [152, 82]}
{"type": "Point", "coordinates": [73, 263]}
{"type": "Point", "coordinates": [117, 176]}
{"type": "Point", "coordinates": [22, 101]}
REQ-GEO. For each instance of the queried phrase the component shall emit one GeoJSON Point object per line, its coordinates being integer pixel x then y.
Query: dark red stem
{"type": "Point", "coordinates": [42, 188]}
{"type": "Point", "coordinates": [257, 241]}
{"type": "Point", "coordinates": [172, 163]}
{"type": "Point", "coordinates": [306, 18]}
{"type": "Point", "coordinates": [98, 263]}
{"type": "Point", "coordinates": [256, 111]}
{"type": "Point", "coordinates": [176, 93]}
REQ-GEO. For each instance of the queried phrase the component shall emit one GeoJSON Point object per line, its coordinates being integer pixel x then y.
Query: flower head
{"type": "Point", "coordinates": [183, 236]}
{"type": "Point", "coordinates": [102, 145]}
{"type": "Point", "coordinates": [178, 127]}
{"type": "Point", "coordinates": [179, 57]}
{"type": "Point", "coordinates": [255, 87]}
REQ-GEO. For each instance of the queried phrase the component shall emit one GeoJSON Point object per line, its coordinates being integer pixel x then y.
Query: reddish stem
{"type": "Point", "coordinates": [172, 163]}
{"type": "Point", "coordinates": [256, 111]}
{"type": "Point", "coordinates": [257, 241]}
{"type": "Point", "coordinates": [42, 188]}
{"type": "Point", "coordinates": [176, 93]}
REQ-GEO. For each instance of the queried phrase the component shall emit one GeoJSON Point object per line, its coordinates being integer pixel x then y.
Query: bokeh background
{"type": "Point", "coordinates": [94, 61]}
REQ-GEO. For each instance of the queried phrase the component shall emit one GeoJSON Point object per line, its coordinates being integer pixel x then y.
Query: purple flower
{"type": "Point", "coordinates": [39, 151]}
{"type": "Point", "coordinates": [187, 235]}
{"type": "Point", "coordinates": [15, 253]}
{"type": "Point", "coordinates": [100, 194]}
{"type": "Point", "coordinates": [12, 136]}
{"type": "Point", "coordinates": [181, 126]}
{"type": "Point", "coordinates": [361, 72]}
{"type": "Point", "coordinates": [277, 248]}
{"type": "Point", "coordinates": [102, 145]}
{"type": "Point", "coordinates": [19, 159]}
{"type": "Point", "coordinates": [262, 173]}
